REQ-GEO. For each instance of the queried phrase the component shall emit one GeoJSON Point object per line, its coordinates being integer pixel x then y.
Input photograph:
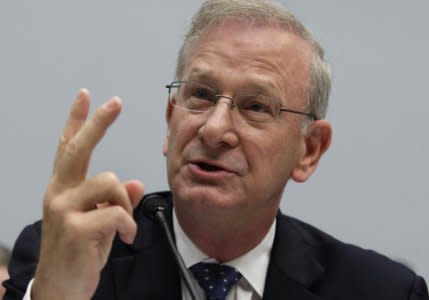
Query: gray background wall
{"type": "Point", "coordinates": [371, 189]}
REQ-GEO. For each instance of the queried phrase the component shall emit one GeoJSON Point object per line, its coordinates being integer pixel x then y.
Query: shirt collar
{"type": "Point", "coordinates": [253, 265]}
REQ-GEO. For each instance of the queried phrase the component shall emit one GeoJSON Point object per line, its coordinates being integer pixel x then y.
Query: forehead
{"type": "Point", "coordinates": [235, 51]}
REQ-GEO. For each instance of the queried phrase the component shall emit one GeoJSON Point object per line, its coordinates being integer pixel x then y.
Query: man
{"type": "Point", "coordinates": [4, 260]}
{"type": "Point", "coordinates": [245, 115]}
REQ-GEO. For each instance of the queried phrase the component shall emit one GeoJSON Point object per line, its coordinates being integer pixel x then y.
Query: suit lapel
{"type": "Point", "coordinates": [294, 265]}
{"type": "Point", "coordinates": [148, 269]}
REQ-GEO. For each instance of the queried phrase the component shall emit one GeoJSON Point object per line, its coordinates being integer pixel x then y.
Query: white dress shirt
{"type": "Point", "coordinates": [253, 265]}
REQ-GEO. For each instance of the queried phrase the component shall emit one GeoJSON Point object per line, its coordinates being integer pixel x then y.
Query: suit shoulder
{"type": "Point", "coordinates": [345, 263]}
{"type": "Point", "coordinates": [22, 265]}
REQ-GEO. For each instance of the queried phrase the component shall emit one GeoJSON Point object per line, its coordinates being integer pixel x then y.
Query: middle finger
{"type": "Point", "coordinates": [72, 165]}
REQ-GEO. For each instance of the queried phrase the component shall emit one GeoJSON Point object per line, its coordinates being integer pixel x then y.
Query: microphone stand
{"type": "Point", "coordinates": [160, 217]}
{"type": "Point", "coordinates": [154, 207]}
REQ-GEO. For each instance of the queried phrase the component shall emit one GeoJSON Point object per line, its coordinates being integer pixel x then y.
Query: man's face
{"type": "Point", "coordinates": [219, 165]}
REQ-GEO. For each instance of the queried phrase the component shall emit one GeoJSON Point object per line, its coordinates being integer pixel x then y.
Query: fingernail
{"type": "Point", "coordinates": [81, 93]}
{"type": "Point", "coordinates": [112, 104]}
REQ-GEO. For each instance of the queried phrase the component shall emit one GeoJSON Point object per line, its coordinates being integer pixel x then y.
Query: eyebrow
{"type": "Point", "coordinates": [202, 74]}
{"type": "Point", "coordinates": [261, 86]}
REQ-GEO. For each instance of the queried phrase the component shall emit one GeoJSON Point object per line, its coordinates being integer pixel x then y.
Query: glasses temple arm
{"type": "Point", "coordinates": [310, 115]}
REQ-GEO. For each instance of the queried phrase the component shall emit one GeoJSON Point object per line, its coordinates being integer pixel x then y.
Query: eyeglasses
{"type": "Point", "coordinates": [195, 97]}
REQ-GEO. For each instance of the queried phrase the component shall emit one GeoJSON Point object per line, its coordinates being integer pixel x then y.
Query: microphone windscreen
{"type": "Point", "coordinates": [152, 204]}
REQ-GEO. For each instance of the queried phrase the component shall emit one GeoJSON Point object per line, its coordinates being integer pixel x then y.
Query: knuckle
{"type": "Point", "coordinates": [118, 213]}
{"type": "Point", "coordinates": [54, 206]}
{"type": "Point", "coordinates": [112, 185]}
{"type": "Point", "coordinates": [110, 178]}
{"type": "Point", "coordinates": [71, 149]}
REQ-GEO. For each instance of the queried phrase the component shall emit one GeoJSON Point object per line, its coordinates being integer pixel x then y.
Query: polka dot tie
{"type": "Point", "coordinates": [215, 279]}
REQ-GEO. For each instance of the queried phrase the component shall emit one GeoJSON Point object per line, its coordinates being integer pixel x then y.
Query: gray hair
{"type": "Point", "coordinates": [263, 12]}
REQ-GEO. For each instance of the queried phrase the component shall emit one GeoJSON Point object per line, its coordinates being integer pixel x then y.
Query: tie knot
{"type": "Point", "coordinates": [216, 280]}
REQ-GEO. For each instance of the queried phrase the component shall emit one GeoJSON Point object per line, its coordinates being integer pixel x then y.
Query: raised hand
{"type": "Point", "coordinates": [81, 216]}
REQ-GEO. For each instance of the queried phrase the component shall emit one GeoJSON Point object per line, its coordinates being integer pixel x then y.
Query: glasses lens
{"type": "Point", "coordinates": [192, 96]}
{"type": "Point", "coordinates": [256, 108]}
{"type": "Point", "coordinates": [196, 97]}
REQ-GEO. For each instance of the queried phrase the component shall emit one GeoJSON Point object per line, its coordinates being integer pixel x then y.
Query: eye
{"type": "Point", "coordinates": [202, 93]}
{"type": "Point", "coordinates": [253, 104]}
{"type": "Point", "coordinates": [198, 97]}
{"type": "Point", "coordinates": [256, 107]}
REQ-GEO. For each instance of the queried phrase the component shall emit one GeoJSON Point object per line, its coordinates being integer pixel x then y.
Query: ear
{"type": "Point", "coordinates": [168, 113]}
{"type": "Point", "coordinates": [317, 140]}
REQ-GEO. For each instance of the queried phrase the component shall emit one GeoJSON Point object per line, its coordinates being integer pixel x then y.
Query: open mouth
{"type": "Point", "coordinates": [208, 167]}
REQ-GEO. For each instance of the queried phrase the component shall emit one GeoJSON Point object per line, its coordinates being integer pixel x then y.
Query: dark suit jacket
{"type": "Point", "coordinates": [306, 264]}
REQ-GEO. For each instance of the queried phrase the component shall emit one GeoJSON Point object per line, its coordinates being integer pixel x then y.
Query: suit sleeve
{"type": "Point", "coordinates": [23, 263]}
{"type": "Point", "coordinates": [419, 290]}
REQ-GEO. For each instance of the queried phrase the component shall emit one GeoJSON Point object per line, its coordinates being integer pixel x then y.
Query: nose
{"type": "Point", "coordinates": [231, 100]}
{"type": "Point", "coordinates": [219, 130]}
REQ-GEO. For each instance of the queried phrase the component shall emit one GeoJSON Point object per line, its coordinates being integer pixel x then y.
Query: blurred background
{"type": "Point", "coordinates": [370, 188]}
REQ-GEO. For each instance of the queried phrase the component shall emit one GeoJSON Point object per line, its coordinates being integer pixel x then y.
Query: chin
{"type": "Point", "coordinates": [203, 198]}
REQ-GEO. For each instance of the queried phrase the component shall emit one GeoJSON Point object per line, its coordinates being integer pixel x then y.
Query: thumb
{"type": "Point", "coordinates": [135, 190]}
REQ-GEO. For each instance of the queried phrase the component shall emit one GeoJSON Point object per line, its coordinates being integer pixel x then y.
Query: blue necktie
{"type": "Point", "coordinates": [216, 280]}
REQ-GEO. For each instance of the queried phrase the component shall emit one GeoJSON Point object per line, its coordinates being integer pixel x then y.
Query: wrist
{"type": "Point", "coordinates": [48, 288]}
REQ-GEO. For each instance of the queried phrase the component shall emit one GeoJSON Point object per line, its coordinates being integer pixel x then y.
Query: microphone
{"type": "Point", "coordinates": [154, 207]}
{"type": "Point", "coordinates": [153, 204]}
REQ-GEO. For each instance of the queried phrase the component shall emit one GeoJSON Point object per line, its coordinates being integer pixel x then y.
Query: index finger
{"type": "Point", "coordinates": [72, 166]}
{"type": "Point", "coordinates": [78, 114]}
{"type": "Point", "coordinates": [77, 117]}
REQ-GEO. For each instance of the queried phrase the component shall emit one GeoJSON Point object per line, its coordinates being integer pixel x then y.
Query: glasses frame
{"type": "Point", "coordinates": [178, 83]}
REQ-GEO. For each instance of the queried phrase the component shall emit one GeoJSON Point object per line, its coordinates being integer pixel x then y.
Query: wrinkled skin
{"type": "Point", "coordinates": [239, 201]}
